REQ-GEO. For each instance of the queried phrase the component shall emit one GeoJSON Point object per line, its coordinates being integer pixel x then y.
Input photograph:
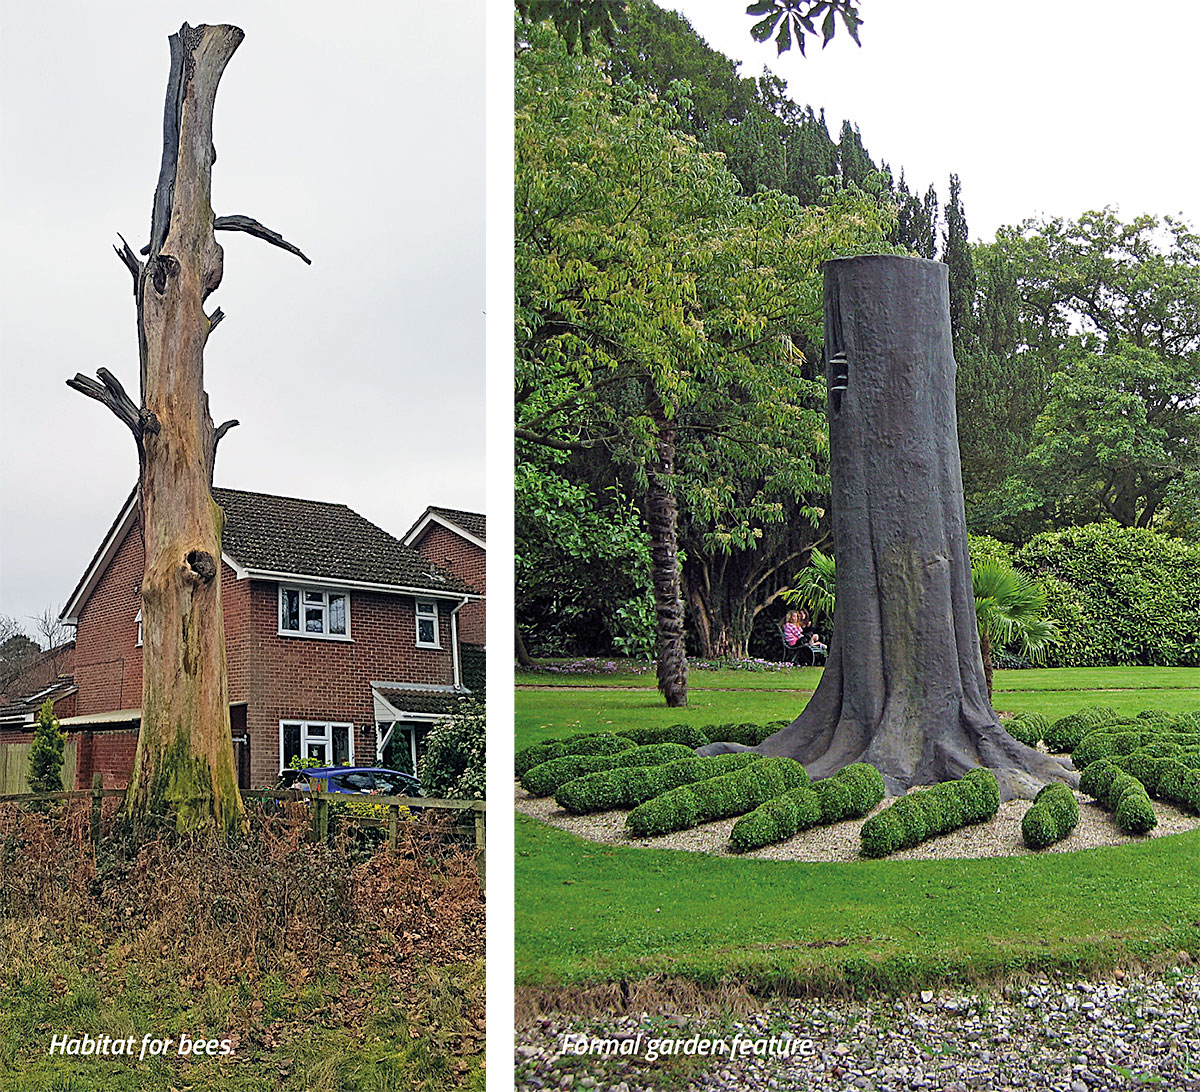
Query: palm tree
{"type": "Point", "coordinates": [1010, 606]}
{"type": "Point", "coordinates": [815, 586]}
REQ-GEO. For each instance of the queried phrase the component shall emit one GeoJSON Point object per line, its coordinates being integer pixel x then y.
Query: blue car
{"type": "Point", "coordinates": [369, 779]}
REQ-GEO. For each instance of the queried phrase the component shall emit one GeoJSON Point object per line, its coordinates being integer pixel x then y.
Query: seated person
{"type": "Point", "coordinates": [814, 642]}
{"type": "Point", "coordinates": [793, 627]}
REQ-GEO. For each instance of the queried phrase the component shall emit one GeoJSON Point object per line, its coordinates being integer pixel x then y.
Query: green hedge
{"type": "Point", "coordinates": [546, 777]}
{"type": "Point", "coordinates": [1123, 738]}
{"type": "Point", "coordinates": [628, 787]}
{"type": "Point", "coordinates": [1066, 733]}
{"type": "Point", "coordinates": [849, 794]}
{"type": "Point", "coordinates": [1053, 814]}
{"type": "Point", "coordinates": [592, 743]}
{"type": "Point", "coordinates": [1119, 595]}
{"type": "Point", "coordinates": [1121, 793]}
{"type": "Point", "coordinates": [683, 734]}
{"type": "Point", "coordinates": [1028, 728]}
{"type": "Point", "coordinates": [926, 813]}
{"type": "Point", "coordinates": [716, 798]}
{"type": "Point", "coordinates": [1173, 778]}
{"type": "Point", "coordinates": [751, 735]}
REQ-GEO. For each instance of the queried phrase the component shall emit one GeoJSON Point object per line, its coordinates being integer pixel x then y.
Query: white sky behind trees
{"type": "Point", "coordinates": [355, 132]}
{"type": "Point", "coordinates": [1055, 107]}
{"type": "Point", "coordinates": [359, 136]}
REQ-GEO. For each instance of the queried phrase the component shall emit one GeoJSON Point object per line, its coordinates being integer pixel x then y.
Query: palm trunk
{"type": "Point", "coordinates": [662, 522]}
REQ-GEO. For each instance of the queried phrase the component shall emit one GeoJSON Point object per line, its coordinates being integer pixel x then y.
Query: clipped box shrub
{"type": "Point", "coordinates": [1028, 728]}
{"type": "Point", "coordinates": [865, 784]}
{"type": "Point", "coordinates": [591, 743]}
{"type": "Point", "coordinates": [856, 790]}
{"type": "Point", "coordinates": [750, 735]}
{"type": "Point", "coordinates": [1121, 793]}
{"type": "Point", "coordinates": [630, 786]}
{"type": "Point", "coordinates": [1175, 779]}
{"type": "Point", "coordinates": [545, 778]}
{"type": "Point", "coordinates": [683, 734]}
{"type": "Point", "coordinates": [1053, 814]}
{"type": "Point", "coordinates": [717, 797]}
{"type": "Point", "coordinates": [834, 798]}
{"type": "Point", "coordinates": [927, 813]}
{"type": "Point", "coordinates": [1066, 733]}
{"type": "Point", "coordinates": [1124, 739]}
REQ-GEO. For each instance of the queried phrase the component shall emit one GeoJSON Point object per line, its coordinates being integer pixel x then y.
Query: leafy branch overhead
{"type": "Point", "coordinates": [787, 21]}
{"type": "Point", "coordinates": [791, 20]}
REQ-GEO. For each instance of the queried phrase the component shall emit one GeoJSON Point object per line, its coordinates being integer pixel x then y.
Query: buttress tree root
{"type": "Point", "coordinates": [903, 688]}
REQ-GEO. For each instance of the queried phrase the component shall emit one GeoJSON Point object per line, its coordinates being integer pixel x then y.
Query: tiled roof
{"type": "Point", "coordinates": [422, 701]}
{"type": "Point", "coordinates": [21, 708]}
{"type": "Point", "coordinates": [329, 541]}
{"type": "Point", "coordinates": [474, 523]}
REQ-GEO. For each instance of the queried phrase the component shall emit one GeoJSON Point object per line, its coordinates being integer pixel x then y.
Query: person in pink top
{"type": "Point", "coordinates": [793, 627]}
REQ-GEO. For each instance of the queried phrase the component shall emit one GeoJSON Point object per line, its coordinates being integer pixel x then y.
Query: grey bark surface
{"type": "Point", "coordinates": [904, 686]}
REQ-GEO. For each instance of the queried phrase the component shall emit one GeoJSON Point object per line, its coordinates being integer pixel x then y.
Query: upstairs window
{"type": "Point", "coordinates": [138, 620]}
{"type": "Point", "coordinates": [311, 612]}
{"type": "Point", "coordinates": [427, 624]}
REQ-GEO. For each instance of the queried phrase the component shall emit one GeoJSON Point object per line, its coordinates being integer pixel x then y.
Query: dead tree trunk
{"type": "Point", "coordinates": [904, 687]}
{"type": "Point", "coordinates": [183, 773]}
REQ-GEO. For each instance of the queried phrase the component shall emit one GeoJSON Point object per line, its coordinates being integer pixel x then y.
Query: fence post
{"type": "Point", "coordinates": [393, 825]}
{"type": "Point", "coordinates": [97, 801]}
{"type": "Point", "coordinates": [320, 816]}
{"type": "Point", "coordinates": [480, 847]}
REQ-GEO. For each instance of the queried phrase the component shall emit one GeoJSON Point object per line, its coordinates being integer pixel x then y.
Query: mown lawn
{"type": "Point", "coordinates": [594, 914]}
{"type": "Point", "coordinates": [805, 678]}
{"type": "Point", "coordinates": [597, 701]}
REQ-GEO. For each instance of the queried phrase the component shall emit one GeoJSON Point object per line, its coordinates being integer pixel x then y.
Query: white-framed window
{"type": "Point", "coordinates": [330, 743]}
{"type": "Point", "coordinates": [314, 612]}
{"type": "Point", "coordinates": [427, 624]}
{"type": "Point", "coordinates": [138, 619]}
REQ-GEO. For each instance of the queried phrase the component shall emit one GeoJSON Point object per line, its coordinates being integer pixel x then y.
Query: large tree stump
{"type": "Point", "coordinates": [183, 772]}
{"type": "Point", "coordinates": [903, 688]}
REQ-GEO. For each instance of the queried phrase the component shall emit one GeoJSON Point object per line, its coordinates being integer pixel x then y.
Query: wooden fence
{"type": "Point", "coordinates": [320, 799]}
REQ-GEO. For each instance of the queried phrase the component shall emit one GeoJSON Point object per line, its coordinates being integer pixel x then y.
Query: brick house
{"type": "Point", "coordinates": [456, 541]}
{"type": "Point", "coordinates": [342, 643]}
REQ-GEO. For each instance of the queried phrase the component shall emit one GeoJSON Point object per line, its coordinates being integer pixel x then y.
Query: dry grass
{"type": "Point", "coordinates": [278, 942]}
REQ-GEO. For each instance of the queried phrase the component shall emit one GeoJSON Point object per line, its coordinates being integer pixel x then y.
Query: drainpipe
{"type": "Point", "coordinates": [454, 644]}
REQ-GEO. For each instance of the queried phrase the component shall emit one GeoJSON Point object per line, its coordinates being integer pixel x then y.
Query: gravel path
{"type": "Point", "coordinates": [1124, 1033]}
{"type": "Point", "coordinates": [1001, 837]}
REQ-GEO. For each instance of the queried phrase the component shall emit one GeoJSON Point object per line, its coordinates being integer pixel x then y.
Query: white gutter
{"type": "Point", "coordinates": [335, 584]}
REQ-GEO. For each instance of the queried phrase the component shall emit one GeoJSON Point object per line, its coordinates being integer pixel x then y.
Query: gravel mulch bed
{"type": "Point", "coordinates": [1001, 837]}
{"type": "Point", "coordinates": [1125, 1033]}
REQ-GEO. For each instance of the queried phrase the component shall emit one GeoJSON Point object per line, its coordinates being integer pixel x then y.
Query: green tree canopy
{"type": "Point", "coordinates": [656, 305]}
{"type": "Point", "coordinates": [1111, 311]}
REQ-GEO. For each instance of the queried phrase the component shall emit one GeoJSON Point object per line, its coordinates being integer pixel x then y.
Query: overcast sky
{"type": "Point", "coordinates": [1055, 107]}
{"type": "Point", "coordinates": [357, 133]}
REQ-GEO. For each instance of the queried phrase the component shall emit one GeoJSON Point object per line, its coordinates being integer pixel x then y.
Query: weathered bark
{"type": "Point", "coordinates": [183, 772]}
{"type": "Point", "coordinates": [985, 649]}
{"type": "Point", "coordinates": [523, 657]}
{"type": "Point", "coordinates": [904, 687]}
{"type": "Point", "coordinates": [662, 523]}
